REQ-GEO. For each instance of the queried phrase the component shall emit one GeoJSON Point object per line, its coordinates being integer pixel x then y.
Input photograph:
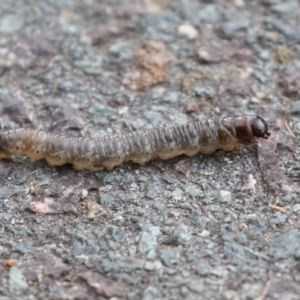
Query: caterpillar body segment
{"type": "Point", "coordinates": [84, 153]}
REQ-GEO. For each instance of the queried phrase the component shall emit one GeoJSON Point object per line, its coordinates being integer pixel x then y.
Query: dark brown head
{"type": "Point", "coordinates": [248, 128]}
{"type": "Point", "coordinates": [259, 127]}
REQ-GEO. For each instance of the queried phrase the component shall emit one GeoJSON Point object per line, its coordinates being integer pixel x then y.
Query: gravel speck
{"type": "Point", "coordinates": [278, 219]}
{"type": "Point", "coordinates": [229, 29]}
{"type": "Point", "coordinates": [286, 245]}
{"type": "Point", "coordinates": [295, 208]}
{"type": "Point", "coordinates": [296, 107]}
{"type": "Point", "coordinates": [210, 14]}
{"type": "Point", "coordinates": [290, 197]}
{"type": "Point", "coordinates": [198, 219]}
{"type": "Point", "coordinates": [24, 247]}
{"type": "Point", "coordinates": [285, 7]}
{"type": "Point", "coordinates": [148, 241]}
{"type": "Point", "coordinates": [153, 117]}
{"type": "Point", "coordinates": [93, 71]}
{"type": "Point", "coordinates": [188, 31]}
{"type": "Point", "coordinates": [176, 195]}
{"type": "Point", "coordinates": [204, 233]}
{"type": "Point", "coordinates": [177, 116]}
{"type": "Point", "coordinates": [171, 97]}
{"type": "Point", "coordinates": [17, 282]}
{"type": "Point", "coordinates": [150, 293]}
{"type": "Point", "coordinates": [235, 253]}
{"type": "Point", "coordinates": [3, 193]}
{"type": "Point", "coordinates": [21, 177]}
{"type": "Point", "coordinates": [121, 50]}
{"type": "Point", "coordinates": [196, 285]}
{"type": "Point", "coordinates": [224, 196]}
{"type": "Point", "coordinates": [182, 234]}
{"type": "Point", "coordinates": [186, 206]}
{"type": "Point", "coordinates": [10, 24]}
{"type": "Point", "coordinates": [154, 189]}
{"type": "Point", "coordinates": [281, 27]}
{"type": "Point", "coordinates": [65, 86]}
{"type": "Point", "coordinates": [203, 269]}
{"type": "Point", "coordinates": [219, 271]}
{"type": "Point", "coordinates": [194, 192]}
{"type": "Point", "coordinates": [201, 91]}
{"type": "Point", "coordinates": [171, 256]}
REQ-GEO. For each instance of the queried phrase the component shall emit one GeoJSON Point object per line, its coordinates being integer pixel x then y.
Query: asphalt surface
{"type": "Point", "coordinates": [222, 226]}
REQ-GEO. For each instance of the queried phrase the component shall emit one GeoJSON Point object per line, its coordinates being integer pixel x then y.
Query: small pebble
{"type": "Point", "coordinates": [296, 107]}
{"type": "Point", "coordinates": [188, 31]}
{"type": "Point", "coordinates": [224, 196]}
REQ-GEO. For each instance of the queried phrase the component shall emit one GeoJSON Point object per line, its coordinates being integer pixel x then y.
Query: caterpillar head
{"type": "Point", "coordinates": [259, 127]}
{"type": "Point", "coordinates": [249, 128]}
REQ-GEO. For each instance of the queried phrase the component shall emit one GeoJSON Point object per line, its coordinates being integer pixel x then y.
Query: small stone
{"type": "Point", "coordinates": [219, 271]}
{"type": "Point", "coordinates": [290, 197]}
{"type": "Point", "coordinates": [17, 282]}
{"type": "Point", "coordinates": [203, 91]}
{"type": "Point", "coordinates": [230, 28]}
{"type": "Point", "coordinates": [169, 222]}
{"type": "Point", "coordinates": [286, 245]}
{"type": "Point", "coordinates": [177, 116]}
{"type": "Point", "coordinates": [204, 233]}
{"type": "Point", "coordinates": [153, 117]}
{"type": "Point", "coordinates": [21, 177]}
{"type": "Point", "coordinates": [171, 97]}
{"type": "Point", "coordinates": [117, 234]}
{"type": "Point", "coordinates": [3, 193]}
{"type": "Point", "coordinates": [196, 286]}
{"type": "Point", "coordinates": [148, 241]}
{"type": "Point", "coordinates": [149, 266]}
{"type": "Point", "coordinates": [65, 86]}
{"type": "Point", "coordinates": [203, 269]}
{"type": "Point", "coordinates": [154, 189]}
{"type": "Point", "coordinates": [24, 247]}
{"type": "Point", "coordinates": [282, 27]}
{"type": "Point", "coordinates": [170, 257]}
{"type": "Point", "coordinates": [86, 40]}
{"type": "Point", "coordinates": [121, 50]}
{"type": "Point", "coordinates": [107, 200]}
{"type": "Point", "coordinates": [296, 107]}
{"type": "Point", "coordinates": [182, 234]}
{"type": "Point", "coordinates": [155, 265]}
{"type": "Point", "coordinates": [192, 107]}
{"type": "Point", "coordinates": [295, 208]}
{"type": "Point", "coordinates": [10, 24]}
{"type": "Point", "coordinates": [83, 64]}
{"type": "Point", "coordinates": [209, 14]}
{"type": "Point", "coordinates": [285, 7]}
{"type": "Point", "coordinates": [188, 31]}
{"type": "Point", "coordinates": [176, 195]}
{"type": "Point", "coordinates": [69, 29]}
{"type": "Point", "coordinates": [186, 206]}
{"type": "Point", "coordinates": [264, 54]}
{"type": "Point", "coordinates": [183, 291]}
{"type": "Point", "coordinates": [93, 71]}
{"type": "Point", "coordinates": [278, 219]}
{"type": "Point", "coordinates": [224, 196]}
{"type": "Point", "coordinates": [194, 192]}
{"type": "Point", "coordinates": [150, 293]}
{"type": "Point", "coordinates": [198, 219]}
{"type": "Point", "coordinates": [284, 54]}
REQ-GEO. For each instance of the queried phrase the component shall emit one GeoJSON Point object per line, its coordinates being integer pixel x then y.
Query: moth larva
{"type": "Point", "coordinates": [84, 153]}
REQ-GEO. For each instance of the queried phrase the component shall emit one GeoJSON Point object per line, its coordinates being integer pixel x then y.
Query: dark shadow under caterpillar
{"type": "Point", "coordinates": [84, 153]}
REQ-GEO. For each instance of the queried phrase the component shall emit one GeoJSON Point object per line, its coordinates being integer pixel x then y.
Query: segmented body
{"type": "Point", "coordinates": [84, 153]}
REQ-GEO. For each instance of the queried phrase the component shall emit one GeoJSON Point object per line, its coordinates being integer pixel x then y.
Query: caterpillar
{"type": "Point", "coordinates": [85, 153]}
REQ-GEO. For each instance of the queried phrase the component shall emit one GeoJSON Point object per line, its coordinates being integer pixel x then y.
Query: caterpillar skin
{"type": "Point", "coordinates": [84, 153]}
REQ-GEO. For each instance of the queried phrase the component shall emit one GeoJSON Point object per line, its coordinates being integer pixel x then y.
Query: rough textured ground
{"type": "Point", "coordinates": [209, 227]}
